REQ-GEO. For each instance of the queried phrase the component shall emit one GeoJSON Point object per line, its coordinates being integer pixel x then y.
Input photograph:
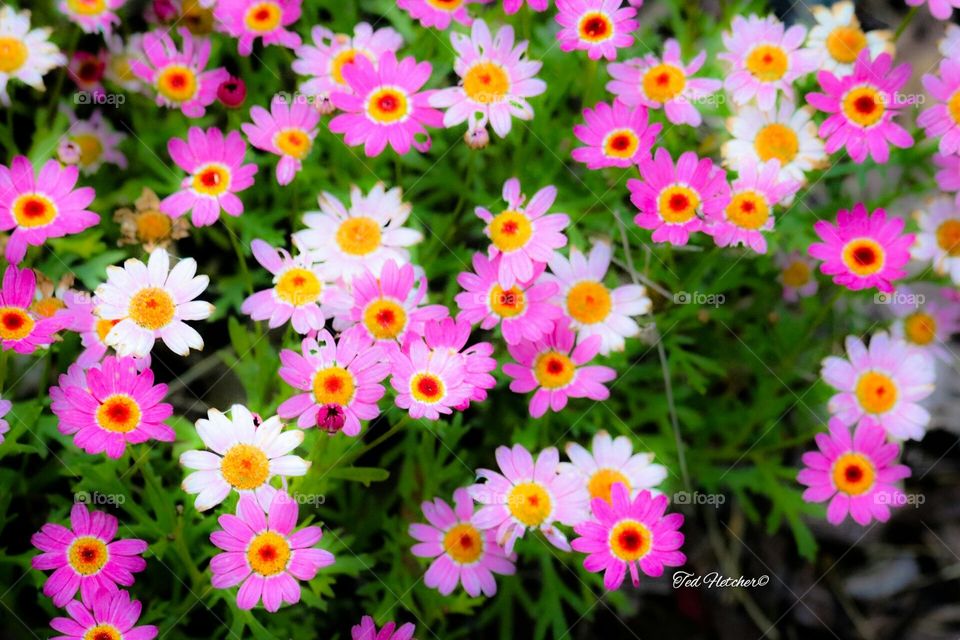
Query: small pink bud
{"type": "Point", "coordinates": [330, 418]}
{"type": "Point", "coordinates": [232, 92]}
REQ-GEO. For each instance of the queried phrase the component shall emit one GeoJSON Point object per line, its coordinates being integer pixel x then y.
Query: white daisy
{"type": "Point", "coordinates": [594, 308]}
{"type": "Point", "coordinates": [241, 456]}
{"type": "Point", "coordinates": [92, 142]}
{"type": "Point", "coordinates": [25, 54]}
{"type": "Point", "coordinates": [786, 134]}
{"type": "Point", "coordinates": [348, 242]}
{"type": "Point", "coordinates": [613, 461]}
{"type": "Point", "coordinates": [949, 46]}
{"type": "Point", "coordinates": [118, 69]}
{"type": "Point", "coordinates": [837, 38]}
{"type": "Point", "coordinates": [151, 302]}
{"type": "Point", "coordinates": [938, 240]}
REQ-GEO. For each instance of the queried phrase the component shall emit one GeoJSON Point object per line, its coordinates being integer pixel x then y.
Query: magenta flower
{"type": "Point", "coordinates": [523, 311]}
{"type": "Point", "coordinates": [512, 6]}
{"type": "Point", "coordinates": [665, 83]}
{"type": "Point", "coordinates": [85, 558]}
{"type": "Point", "coordinates": [632, 534]}
{"type": "Point", "coordinates": [265, 554]}
{"type": "Point", "coordinates": [674, 201]}
{"type": "Point", "coordinates": [248, 20]}
{"type": "Point", "coordinates": [385, 105]}
{"type": "Point", "coordinates": [367, 630]}
{"type": "Point", "coordinates": [345, 374]}
{"type": "Point", "coordinates": [180, 79]}
{"type": "Point", "coordinates": [856, 475]}
{"type": "Point", "coordinates": [939, 9]}
{"type": "Point", "coordinates": [616, 136]}
{"type": "Point", "coordinates": [287, 130]}
{"type": "Point", "coordinates": [92, 16]}
{"type": "Point", "coordinates": [523, 235]}
{"type": "Point", "coordinates": [217, 174]}
{"type": "Point", "coordinates": [439, 13]}
{"type": "Point", "coordinates": [861, 108]}
{"type": "Point", "coordinates": [599, 27]}
{"type": "Point", "coordinates": [34, 208]}
{"type": "Point", "coordinates": [232, 92]}
{"type": "Point", "coordinates": [948, 174]}
{"type": "Point", "coordinates": [21, 328]}
{"type": "Point", "coordinates": [464, 554]}
{"type": "Point", "coordinates": [556, 370]}
{"type": "Point", "coordinates": [862, 250]}
{"type": "Point", "coordinates": [451, 336]}
{"type": "Point", "coordinates": [115, 404]}
{"type": "Point", "coordinates": [942, 120]}
{"type": "Point", "coordinates": [110, 616]}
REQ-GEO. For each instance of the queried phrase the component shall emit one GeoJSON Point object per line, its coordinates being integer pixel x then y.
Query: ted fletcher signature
{"type": "Point", "coordinates": [715, 580]}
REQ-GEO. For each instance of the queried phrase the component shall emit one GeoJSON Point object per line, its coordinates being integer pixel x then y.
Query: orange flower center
{"type": "Point", "coordinates": [15, 323]}
{"type": "Point", "coordinates": [621, 143]}
{"type": "Point", "coordinates": [553, 370]}
{"type": "Point", "coordinates": [463, 543]}
{"type": "Point", "coordinates": [920, 328]}
{"type": "Point", "coordinates": [948, 237]}
{"type": "Point", "coordinates": [509, 303]}
{"type": "Point", "coordinates": [119, 413]}
{"type": "Point", "coordinates": [33, 210]}
{"type": "Point", "coordinates": [767, 62]}
{"type": "Point", "coordinates": [268, 553]}
{"type": "Point", "coordinates": [177, 82]}
{"type": "Point", "coordinates": [510, 230]}
{"type": "Point", "coordinates": [359, 236]}
{"type": "Point", "coordinates": [13, 54]}
{"type": "Point", "coordinates": [844, 44]}
{"type": "Point", "coordinates": [678, 204]}
{"type": "Point", "coordinates": [777, 141]}
{"type": "Point", "coordinates": [853, 473]}
{"type": "Point", "coordinates": [530, 503]}
{"type": "Point", "coordinates": [864, 106]}
{"type": "Point", "coordinates": [299, 287]}
{"type": "Point", "coordinates": [630, 540]}
{"type": "Point", "coordinates": [589, 302]}
{"type": "Point", "coordinates": [333, 385]}
{"type": "Point", "coordinates": [596, 26]}
{"type": "Point", "coordinates": [387, 105]}
{"type": "Point", "coordinates": [748, 210]}
{"type": "Point", "coordinates": [876, 392]}
{"type": "Point", "coordinates": [385, 319]}
{"type": "Point", "coordinates": [602, 481]}
{"type": "Point", "coordinates": [152, 308]}
{"type": "Point", "coordinates": [427, 388]}
{"type": "Point", "coordinates": [245, 466]}
{"type": "Point", "coordinates": [863, 256]}
{"type": "Point", "coordinates": [87, 555]}
{"type": "Point", "coordinates": [486, 82]}
{"type": "Point", "coordinates": [664, 82]}
{"type": "Point", "coordinates": [263, 17]}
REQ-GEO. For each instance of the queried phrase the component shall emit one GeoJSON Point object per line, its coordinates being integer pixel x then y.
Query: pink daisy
{"type": "Point", "coordinates": [451, 336]}
{"type": "Point", "coordinates": [512, 6]}
{"type": "Point", "coordinates": [367, 630]}
{"type": "Point", "coordinates": [861, 108]}
{"type": "Point", "coordinates": [939, 9]}
{"type": "Point", "coordinates": [265, 554]}
{"type": "Point", "coordinates": [927, 318]}
{"type": "Point", "coordinates": [665, 83]}
{"type": "Point", "coordinates": [942, 120]}
{"type": "Point", "coordinates": [464, 554]}
{"type": "Point", "coordinates": [5, 406]}
{"type": "Point", "coordinates": [287, 130]}
{"type": "Point", "coordinates": [863, 249]}
{"type": "Point", "coordinates": [92, 16]}
{"type": "Point", "coordinates": [217, 174]}
{"type": "Point", "coordinates": [340, 377]}
{"type": "Point", "coordinates": [46, 205]}
{"type": "Point", "coordinates": [797, 275]}
{"type": "Point", "coordinates": [428, 382]}
{"type": "Point", "coordinates": [754, 194]}
{"type": "Point", "coordinates": [248, 20]}
{"type": "Point", "coordinates": [555, 368]}
{"type": "Point", "coordinates": [523, 235]}
{"type": "Point", "coordinates": [109, 616]}
{"type": "Point", "coordinates": [674, 200]}
{"type": "Point", "coordinates": [632, 534]}
{"type": "Point", "coordinates": [495, 81]}
{"type": "Point", "coordinates": [439, 13]}
{"type": "Point", "coordinates": [114, 406]}
{"type": "Point", "coordinates": [599, 27]}
{"type": "Point", "coordinates": [765, 59]}
{"type": "Point", "coordinates": [85, 558]}
{"type": "Point", "coordinates": [385, 105]}
{"type": "Point", "coordinates": [386, 308]}
{"type": "Point", "coordinates": [615, 136]}
{"type": "Point", "coordinates": [882, 384]}
{"type": "Point", "coordinates": [180, 79]}
{"type": "Point", "coordinates": [948, 173]}
{"type": "Point", "coordinates": [527, 495]}
{"type": "Point", "coordinates": [856, 475]}
{"type": "Point", "coordinates": [523, 311]}
{"type": "Point", "coordinates": [299, 293]}
{"type": "Point", "coordinates": [21, 328]}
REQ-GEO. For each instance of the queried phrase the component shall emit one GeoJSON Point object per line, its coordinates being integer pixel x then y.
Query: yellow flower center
{"type": "Point", "coordinates": [595, 26]}
{"type": "Point", "coordinates": [263, 17]}
{"type": "Point", "coordinates": [767, 62]}
{"type": "Point", "coordinates": [920, 328]}
{"type": "Point", "coordinates": [863, 256]}
{"type": "Point", "coordinates": [876, 392]}
{"type": "Point", "coordinates": [844, 44]}
{"type": "Point", "coordinates": [177, 82]}
{"type": "Point", "coordinates": [33, 210]}
{"type": "Point", "coordinates": [530, 503]}
{"type": "Point", "coordinates": [268, 553]}
{"type": "Point", "coordinates": [853, 474]}
{"type": "Point", "coordinates": [15, 323]}
{"type": "Point", "coordinates": [463, 543]}
{"type": "Point", "coordinates": [602, 482]}
{"type": "Point", "coordinates": [678, 204]}
{"type": "Point", "coordinates": [298, 286]}
{"type": "Point", "coordinates": [152, 308]}
{"type": "Point", "coordinates": [486, 82]}
{"type": "Point", "coordinates": [87, 555]}
{"type": "Point", "coordinates": [589, 302]}
{"type": "Point", "coordinates": [796, 274]}
{"type": "Point", "coordinates": [748, 210]}
{"type": "Point", "coordinates": [427, 388]}
{"type": "Point", "coordinates": [343, 58]}
{"type": "Point", "coordinates": [245, 466]}
{"type": "Point", "coordinates": [47, 307]}
{"type": "Point", "coordinates": [153, 226]}
{"type": "Point", "coordinates": [864, 106]}
{"type": "Point", "coordinates": [948, 237]}
{"type": "Point", "coordinates": [334, 385]}
{"type": "Point", "coordinates": [621, 143]}
{"type": "Point", "coordinates": [359, 236]}
{"type": "Point", "coordinates": [120, 66]}
{"type": "Point", "coordinates": [509, 303]}
{"type": "Point", "coordinates": [119, 413]}
{"type": "Point", "coordinates": [87, 7]}
{"type": "Point", "coordinates": [630, 540]}
{"type": "Point", "coordinates": [388, 105]}
{"type": "Point", "coordinates": [13, 54]}
{"type": "Point", "coordinates": [445, 5]}
{"type": "Point", "coordinates": [664, 82]}
{"type": "Point", "coordinates": [90, 148]}
{"type": "Point", "coordinates": [777, 141]}
{"type": "Point", "coordinates": [211, 179]}
{"type": "Point", "coordinates": [384, 319]}
{"type": "Point", "coordinates": [294, 142]}
{"type": "Point", "coordinates": [103, 632]}
{"type": "Point", "coordinates": [553, 370]}
{"type": "Point", "coordinates": [510, 230]}
{"type": "Point", "coordinates": [103, 327]}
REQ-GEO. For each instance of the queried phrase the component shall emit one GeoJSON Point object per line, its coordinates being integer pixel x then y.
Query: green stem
{"type": "Point", "coordinates": [4, 358]}
{"type": "Point", "coordinates": [674, 421]}
{"type": "Point", "coordinates": [241, 258]}
{"type": "Point", "coordinates": [907, 19]}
